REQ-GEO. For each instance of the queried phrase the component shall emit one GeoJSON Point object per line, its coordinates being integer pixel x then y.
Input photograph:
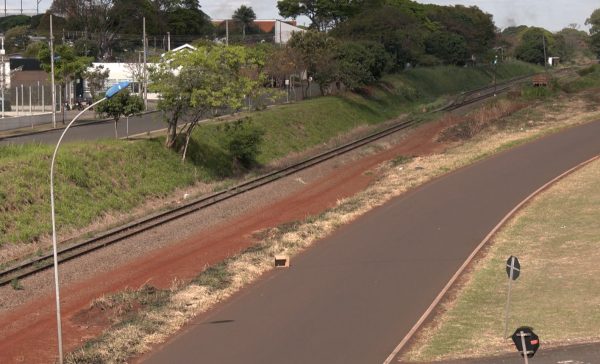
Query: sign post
{"type": "Point", "coordinates": [526, 341]}
{"type": "Point", "coordinates": [513, 269]}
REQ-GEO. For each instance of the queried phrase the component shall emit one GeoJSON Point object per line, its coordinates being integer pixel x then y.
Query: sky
{"type": "Point", "coordinates": [550, 14]}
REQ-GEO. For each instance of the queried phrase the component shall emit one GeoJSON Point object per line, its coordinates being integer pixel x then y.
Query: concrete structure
{"type": "Point", "coordinates": [284, 31]}
{"type": "Point", "coordinates": [279, 31]}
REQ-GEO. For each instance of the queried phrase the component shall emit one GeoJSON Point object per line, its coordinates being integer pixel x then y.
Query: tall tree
{"type": "Point", "coordinates": [201, 84]}
{"type": "Point", "coordinates": [17, 38]}
{"type": "Point", "coordinates": [106, 20]}
{"type": "Point", "coordinates": [576, 42]}
{"type": "Point", "coordinates": [594, 22]}
{"type": "Point", "coordinates": [245, 15]}
{"type": "Point", "coordinates": [531, 47]}
{"type": "Point", "coordinates": [67, 65]}
{"type": "Point", "coordinates": [323, 14]}
{"type": "Point", "coordinates": [318, 51]}
{"type": "Point", "coordinates": [400, 30]}
{"type": "Point", "coordinates": [474, 26]}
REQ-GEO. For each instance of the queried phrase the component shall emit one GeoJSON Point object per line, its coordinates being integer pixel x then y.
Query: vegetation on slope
{"type": "Point", "coordinates": [94, 179]}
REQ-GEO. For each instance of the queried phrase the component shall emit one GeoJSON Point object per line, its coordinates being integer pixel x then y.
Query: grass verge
{"type": "Point", "coordinates": [556, 238]}
{"type": "Point", "coordinates": [154, 325]}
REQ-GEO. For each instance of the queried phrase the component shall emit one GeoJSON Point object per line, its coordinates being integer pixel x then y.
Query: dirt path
{"type": "Point", "coordinates": [28, 331]}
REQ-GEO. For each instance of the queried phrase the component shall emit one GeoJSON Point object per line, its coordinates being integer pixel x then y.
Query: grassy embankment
{"type": "Point", "coordinates": [112, 177]}
{"type": "Point", "coordinates": [165, 311]}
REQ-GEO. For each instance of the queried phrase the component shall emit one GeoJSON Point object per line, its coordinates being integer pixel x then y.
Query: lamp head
{"type": "Point", "coordinates": [116, 89]}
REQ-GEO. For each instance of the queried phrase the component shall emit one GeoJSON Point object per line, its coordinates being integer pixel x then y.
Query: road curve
{"type": "Point", "coordinates": [353, 296]}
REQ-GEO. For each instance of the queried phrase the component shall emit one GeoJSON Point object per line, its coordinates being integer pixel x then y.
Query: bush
{"type": "Point", "coordinates": [588, 70]}
{"type": "Point", "coordinates": [531, 92]}
{"type": "Point", "coordinates": [243, 141]}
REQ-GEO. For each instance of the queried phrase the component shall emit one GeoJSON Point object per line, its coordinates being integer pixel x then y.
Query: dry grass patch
{"type": "Point", "coordinates": [480, 119]}
{"type": "Point", "coordinates": [154, 325]}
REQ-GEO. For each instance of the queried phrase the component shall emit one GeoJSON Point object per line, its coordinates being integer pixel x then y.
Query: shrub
{"type": "Point", "coordinates": [243, 141]}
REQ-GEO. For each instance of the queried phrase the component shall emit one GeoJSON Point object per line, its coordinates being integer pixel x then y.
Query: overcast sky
{"type": "Point", "coordinates": [550, 14]}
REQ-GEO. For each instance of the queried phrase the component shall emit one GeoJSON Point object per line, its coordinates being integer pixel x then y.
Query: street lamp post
{"type": "Point", "coordinates": [110, 93]}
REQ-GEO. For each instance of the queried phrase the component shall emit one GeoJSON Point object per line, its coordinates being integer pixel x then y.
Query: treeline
{"type": "Point", "coordinates": [104, 28]}
{"type": "Point", "coordinates": [354, 42]}
{"type": "Point", "coordinates": [410, 32]}
{"type": "Point", "coordinates": [527, 44]}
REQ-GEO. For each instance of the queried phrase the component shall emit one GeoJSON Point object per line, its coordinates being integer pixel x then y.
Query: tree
{"type": "Point", "coordinates": [323, 14]}
{"type": "Point", "coordinates": [200, 84]}
{"type": "Point", "coordinates": [33, 49]}
{"type": "Point", "coordinates": [594, 22]}
{"type": "Point", "coordinates": [283, 62]}
{"type": "Point", "coordinates": [318, 54]}
{"type": "Point", "coordinates": [401, 32]}
{"type": "Point", "coordinates": [531, 47]}
{"type": "Point", "coordinates": [475, 27]}
{"type": "Point", "coordinates": [448, 47]}
{"type": "Point", "coordinates": [245, 15]}
{"type": "Point", "coordinates": [86, 47]}
{"type": "Point", "coordinates": [359, 63]}
{"type": "Point", "coordinates": [12, 21]}
{"type": "Point", "coordinates": [189, 21]}
{"type": "Point", "coordinates": [122, 104]}
{"type": "Point", "coordinates": [576, 42]}
{"type": "Point", "coordinates": [67, 65]}
{"type": "Point", "coordinates": [17, 38]}
{"type": "Point", "coordinates": [96, 78]}
{"type": "Point", "coordinates": [94, 16]}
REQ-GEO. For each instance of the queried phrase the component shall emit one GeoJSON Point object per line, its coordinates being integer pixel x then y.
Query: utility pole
{"type": "Point", "coordinates": [3, 76]}
{"type": "Point", "coordinates": [53, 102]}
{"type": "Point", "coordinates": [145, 64]}
{"type": "Point", "coordinates": [227, 32]}
{"type": "Point", "coordinates": [168, 41]}
{"type": "Point", "coordinates": [545, 56]}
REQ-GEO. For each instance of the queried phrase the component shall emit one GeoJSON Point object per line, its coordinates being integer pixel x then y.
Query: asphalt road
{"type": "Point", "coordinates": [353, 296]}
{"type": "Point", "coordinates": [93, 131]}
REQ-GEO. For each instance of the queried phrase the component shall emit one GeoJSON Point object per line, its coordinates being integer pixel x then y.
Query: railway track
{"type": "Point", "coordinates": [68, 252]}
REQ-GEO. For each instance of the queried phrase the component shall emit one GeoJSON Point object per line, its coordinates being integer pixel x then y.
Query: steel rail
{"type": "Point", "coordinates": [66, 253]}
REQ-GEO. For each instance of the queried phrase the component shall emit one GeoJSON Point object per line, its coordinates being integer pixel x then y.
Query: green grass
{"type": "Point", "coordinates": [94, 179]}
{"type": "Point", "coordinates": [589, 78]}
{"type": "Point", "coordinates": [556, 239]}
{"type": "Point", "coordinates": [91, 179]}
